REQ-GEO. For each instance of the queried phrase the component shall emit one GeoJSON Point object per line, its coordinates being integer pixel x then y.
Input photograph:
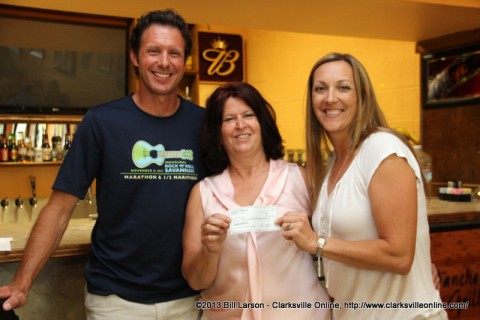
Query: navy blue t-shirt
{"type": "Point", "coordinates": [144, 167]}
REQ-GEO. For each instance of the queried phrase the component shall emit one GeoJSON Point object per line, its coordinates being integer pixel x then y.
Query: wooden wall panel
{"type": "Point", "coordinates": [451, 135]}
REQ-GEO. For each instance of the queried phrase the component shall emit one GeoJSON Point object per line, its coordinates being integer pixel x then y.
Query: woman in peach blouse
{"type": "Point", "coordinates": [252, 273]}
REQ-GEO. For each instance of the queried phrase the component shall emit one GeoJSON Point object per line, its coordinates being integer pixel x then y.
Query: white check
{"type": "Point", "coordinates": [253, 218]}
{"type": "Point", "coordinates": [5, 244]}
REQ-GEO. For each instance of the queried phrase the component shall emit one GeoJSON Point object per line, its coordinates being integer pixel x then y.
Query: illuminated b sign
{"type": "Point", "coordinates": [220, 57]}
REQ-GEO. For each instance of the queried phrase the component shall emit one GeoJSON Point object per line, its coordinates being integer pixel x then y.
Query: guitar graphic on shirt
{"type": "Point", "coordinates": [144, 154]}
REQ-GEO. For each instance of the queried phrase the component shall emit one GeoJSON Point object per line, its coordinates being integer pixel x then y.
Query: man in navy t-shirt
{"type": "Point", "coordinates": [143, 152]}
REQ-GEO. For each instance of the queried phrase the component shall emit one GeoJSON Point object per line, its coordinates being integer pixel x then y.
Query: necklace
{"type": "Point", "coordinates": [323, 219]}
{"type": "Point", "coordinates": [337, 176]}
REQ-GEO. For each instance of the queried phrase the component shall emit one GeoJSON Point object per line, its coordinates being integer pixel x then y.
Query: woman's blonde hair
{"type": "Point", "coordinates": [369, 119]}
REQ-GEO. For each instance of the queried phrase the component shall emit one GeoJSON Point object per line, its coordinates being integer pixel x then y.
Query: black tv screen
{"type": "Point", "coordinates": [63, 63]}
{"type": "Point", "coordinates": [451, 77]}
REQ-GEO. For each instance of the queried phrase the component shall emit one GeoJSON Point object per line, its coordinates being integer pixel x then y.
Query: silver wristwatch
{"type": "Point", "coordinates": [321, 242]}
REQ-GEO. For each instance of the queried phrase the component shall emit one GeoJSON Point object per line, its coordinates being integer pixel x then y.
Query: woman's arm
{"type": "Point", "coordinates": [393, 199]}
{"type": "Point", "coordinates": [202, 242]}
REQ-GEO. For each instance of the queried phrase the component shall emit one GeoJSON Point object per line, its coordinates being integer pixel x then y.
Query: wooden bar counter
{"type": "Point", "coordinates": [442, 215]}
{"type": "Point", "coordinates": [455, 250]}
{"type": "Point", "coordinates": [441, 211]}
{"type": "Point", "coordinates": [75, 242]}
{"type": "Point", "coordinates": [58, 292]}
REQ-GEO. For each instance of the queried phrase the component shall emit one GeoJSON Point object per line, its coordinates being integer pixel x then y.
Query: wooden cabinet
{"type": "Point", "coordinates": [189, 86]}
{"type": "Point", "coordinates": [451, 133]}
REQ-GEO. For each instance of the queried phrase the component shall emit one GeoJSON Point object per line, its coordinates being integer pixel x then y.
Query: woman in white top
{"type": "Point", "coordinates": [370, 217]}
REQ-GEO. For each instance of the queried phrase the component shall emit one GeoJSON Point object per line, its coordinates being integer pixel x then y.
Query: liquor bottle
{"type": "Point", "coordinates": [291, 155]}
{"type": "Point", "coordinates": [56, 148]}
{"type": "Point", "coordinates": [46, 149]}
{"type": "Point", "coordinates": [189, 63]}
{"type": "Point", "coordinates": [11, 136]}
{"type": "Point", "coordinates": [68, 143]}
{"type": "Point", "coordinates": [4, 151]}
{"type": "Point", "coordinates": [22, 148]}
{"type": "Point", "coordinates": [425, 162]}
{"type": "Point", "coordinates": [300, 160]}
{"type": "Point", "coordinates": [13, 151]}
{"type": "Point", "coordinates": [30, 152]}
{"type": "Point", "coordinates": [59, 149]}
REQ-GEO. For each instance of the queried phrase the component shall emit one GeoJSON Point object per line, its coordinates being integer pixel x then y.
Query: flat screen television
{"type": "Point", "coordinates": [451, 77]}
{"type": "Point", "coordinates": [54, 62]}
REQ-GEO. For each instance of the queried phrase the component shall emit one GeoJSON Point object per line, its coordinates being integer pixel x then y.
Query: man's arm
{"type": "Point", "coordinates": [45, 237]}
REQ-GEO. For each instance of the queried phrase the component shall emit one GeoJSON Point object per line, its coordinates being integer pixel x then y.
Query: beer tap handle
{"type": "Point", "coordinates": [4, 203]}
{"type": "Point", "coordinates": [88, 196]}
{"type": "Point", "coordinates": [19, 202]}
{"type": "Point", "coordinates": [33, 199]}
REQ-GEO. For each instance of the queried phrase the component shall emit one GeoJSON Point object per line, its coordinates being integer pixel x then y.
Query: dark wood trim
{"type": "Point", "coordinates": [40, 118]}
{"type": "Point", "coordinates": [449, 42]}
{"type": "Point", "coordinates": [60, 16]}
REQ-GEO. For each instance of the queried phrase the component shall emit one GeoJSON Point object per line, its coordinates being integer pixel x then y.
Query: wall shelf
{"type": "Point", "coordinates": [27, 164]}
{"type": "Point", "coordinates": [40, 118]}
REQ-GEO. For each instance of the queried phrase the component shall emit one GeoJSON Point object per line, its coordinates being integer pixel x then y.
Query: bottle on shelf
{"type": "Point", "coordinates": [37, 154]}
{"type": "Point", "coordinates": [300, 159]}
{"type": "Point", "coordinates": [11, 137]}
{"type": "Point", "coordinates": [30, 152]}
{"type": "Point", "coordinates": [13, 151]}
{"type": "Point", "coordinates": [425, 162]}
{"type": "Point", "coordinates": [290, 155]}
{"type": "Point", "coordinates": [4, 151]}
{"type": "Point", "coordinates": [189, 63]}
{"type": "Point", "coordinates": [67, 144]}
{"type": "Point", "coordinates": [46, 149]}
{"type": "Point", "coordinates": [57, 153]}
{"type": "Point", "coordinates": [22, 148]}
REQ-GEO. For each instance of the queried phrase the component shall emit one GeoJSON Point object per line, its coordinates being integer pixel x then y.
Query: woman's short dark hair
{"type": "Point", "coordinates": [167, 17]}
{"type": "Point", "coordinates": [211, 136]}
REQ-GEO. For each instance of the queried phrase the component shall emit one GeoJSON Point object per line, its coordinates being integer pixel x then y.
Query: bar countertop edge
{"type": "Point", "coordinates": [442, 216]}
